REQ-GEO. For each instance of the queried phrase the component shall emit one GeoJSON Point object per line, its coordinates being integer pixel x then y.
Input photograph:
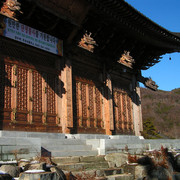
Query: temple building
{"type": "Point", "coordinates": [74, 66]}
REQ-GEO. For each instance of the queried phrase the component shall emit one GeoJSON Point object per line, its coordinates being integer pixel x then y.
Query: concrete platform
{"type": "Point", "coordinates": [61, 145]}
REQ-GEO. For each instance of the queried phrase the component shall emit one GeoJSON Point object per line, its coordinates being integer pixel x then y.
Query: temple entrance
{"type": "Point", "coordinates": [88, 107]}
{"type": "Point", "coordinates": [122, 112]}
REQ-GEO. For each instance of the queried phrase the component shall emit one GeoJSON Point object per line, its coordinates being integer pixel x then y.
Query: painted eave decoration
{"type": "Point", "coordinates": [10, 8]}
{"type": "Point", "coordinates": [149, 83]}
{"type": "Point", "coordinates": [126, 59]}
{"type": "Point", "coordinates": [87, 42]}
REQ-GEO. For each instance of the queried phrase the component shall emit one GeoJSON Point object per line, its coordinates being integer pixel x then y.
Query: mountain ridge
{"type": "Point", "coordinates": [161, 113]}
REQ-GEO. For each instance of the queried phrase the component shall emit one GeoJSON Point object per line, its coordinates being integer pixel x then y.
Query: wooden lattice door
{"type": "Point", "coordinates": [28, 97]}
{"type": "Point", "coordinates": [5, 92]}
{"type": "Point", "coordinates": [122, 112]}
{"type": "Point", "coordinates": [88, 107]}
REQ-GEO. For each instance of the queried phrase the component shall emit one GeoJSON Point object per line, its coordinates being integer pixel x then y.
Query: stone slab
{"type": "Point", "coordinates": [39, 176]}
{"type": "Point", "coordinates": [66, 160]}
{"type": "Point", "coordinates": [51, 142]}
{"type": "Point", "coordinates": [137, 170]}
{"type": "Point", "coordinates": [95, 143]}
{"type": "Point", "coordinates": [46, 135]}
{"type": "Point", "coordinates": [13, 134]}
{"type": "Point", "coordinates": [42, 135]}
{"type": "Point", "coordinates": [67, 147]}
{"type": "Point", "coordinates": [118, 158]}
{"type": "Point", "coordinates": [120, 177]}
{"type": "Point", "coordinates": [90, 136]}
{"type": "Point", "coordinates": [74, 153]}
{"type": "Point", "coordinates": [92, 158]}
{"type": "Point", "coordinates": [83, 166]}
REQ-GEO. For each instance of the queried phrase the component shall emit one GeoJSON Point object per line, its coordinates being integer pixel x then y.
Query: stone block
{"type": "Point", "coordinates": [111, 164]}
{"type": "Point", "coordinates": [62, 142]}
{"type": "Point", "coordinates": [66, 160]}
{"type": "Point", "coordinates": [74, 147]}
{"type": "Point", "coordinates": [89, 175]}
{"type": "Point", "coordinates": [28, 141]}
{"type": "Point", "coordinates": [137, 170]}
{"type": "Point", "coordinates": [120, 177]}
{"type": "Point", "coordinates": [14, 171]}
{"type": "Point", "coordinates": [6, 177]}
{"type": "Point", "coordinates": [90, 136]}
{"type": "Point", "coordinates": [71, 167]}
{"type": "Point", "coordinates": [73, 153]}
{"type": "Point", "coordinates": [39, 176]}
{"type": "Point", "coordinates": [95, 143]}
{"type": "Point", "coordinates": [7, 141]}
{"type": "Point", "coordinates": [38, 166]}
{"type": "Point", "coordinates": [118, 158]}
{"type": "Point", "coordinates": [113, 171]}
{"type": "Point", "coordinates": [102, 165]}
{"type": "Point", "coordinates": [92, 158]}
{"type": "Point", "coordinates": [46, 135]}
{"type": "Point", "coordinates": [13, 134]}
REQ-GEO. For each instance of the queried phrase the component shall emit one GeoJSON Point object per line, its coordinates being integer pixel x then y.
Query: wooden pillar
{"type": "Point", "coordinates": [88, 105]}
{"type": "Point", "coordinates": [44, 100]}
{"type": "Point", "coordinates": [140, 109]}
{"type": "Point", "coordinates": [80, 103]}
{"type": "Point", "coordinates": [137, 114]}
{"type": "Point", "coordinates": [108, 107]}
{"type": "Point", "coordinates": [29, 96]}
{"type": "Point", "coordinates": [95, 109]}
{"type": "Point", "coordinates": [14, 93]}
{"type": "Point", "coordinates": [67, 99]}
{"type": "Point", "coordinates": [58, 95]}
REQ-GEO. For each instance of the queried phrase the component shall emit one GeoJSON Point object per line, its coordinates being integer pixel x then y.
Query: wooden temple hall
{"type": "Point", "coordinates": [73, 66]}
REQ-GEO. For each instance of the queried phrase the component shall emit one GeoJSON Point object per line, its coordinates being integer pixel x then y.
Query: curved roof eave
{"type": "Point", "coordinates": [123, 12]}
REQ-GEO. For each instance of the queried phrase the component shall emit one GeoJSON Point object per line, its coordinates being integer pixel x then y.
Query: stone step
{"type": "Point", "coordinates": [78, 159]}
{"type": "Point", "coordinates": [113, 171]}
{"type": "Point", "coordinates": [83, 166]}
{"type": "Point", "coordinates": [120, 177]}
{"type": "Point", "coordinates": [108, 172]}
{"type": "Point", "coordinates": [67, 147]}
{"type": "Point", "coordinates": [23, 134]}
{"type": "Point", "coordinates": [102, 174]}
{"type": "Point", "coordinates": [73, 153]}
{"type": "Point", "coordinates": [20, 147]}
{"type": "Point", "coordinates": [52, 142]}
{"type": "Point", "coordinates": [100, 178]}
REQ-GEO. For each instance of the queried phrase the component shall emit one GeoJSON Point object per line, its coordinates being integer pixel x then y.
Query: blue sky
{"type": "Point", "coordinates": [166, 13]}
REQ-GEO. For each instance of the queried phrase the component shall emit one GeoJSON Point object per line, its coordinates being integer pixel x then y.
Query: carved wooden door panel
{"type": "Point", "coordinates": [88, 108]}
{"type": "Point", "coordinates": [28, 98]}
{"type": "Point", "coordinates": [21, 85]}
{"type": "Point", "coordinates": [122, 112]}
{"type": "Point", "coordinates": [5, 92]}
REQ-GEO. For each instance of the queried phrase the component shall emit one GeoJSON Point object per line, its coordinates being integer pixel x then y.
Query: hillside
{"type": "Point", "coordinates": [161, 113]}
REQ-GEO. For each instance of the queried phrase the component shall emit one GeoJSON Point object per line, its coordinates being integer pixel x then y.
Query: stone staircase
{"type": "Point", "coordinates": [31, 144]}
{"type": "Point", "coordinates": [91, 167]}
{"type": "Point", "coordinates": [66, 147]}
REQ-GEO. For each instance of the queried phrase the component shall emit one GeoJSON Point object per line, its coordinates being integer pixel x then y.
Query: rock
{"type": "Point", "coordinates": [59, 172]}
{"type": "Point", "coordinates": [35, 166]}
{"type": "Point", "coordinates": [177, 163]}
{"type": "Point", "coordinates": [82, 175]}
{"type": "Point", "coordinates": [118, 158]}
{"type": "Point", "coordinates": [137, 170]}
{"type": "Point", "coordinates": [39, 176]}
{"type": "Point", "coordinates": [14, 171]}
{"type": "Point", "coordinates": [23, 162]}
{"type": "Point", "coordinates": [5, 177]}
